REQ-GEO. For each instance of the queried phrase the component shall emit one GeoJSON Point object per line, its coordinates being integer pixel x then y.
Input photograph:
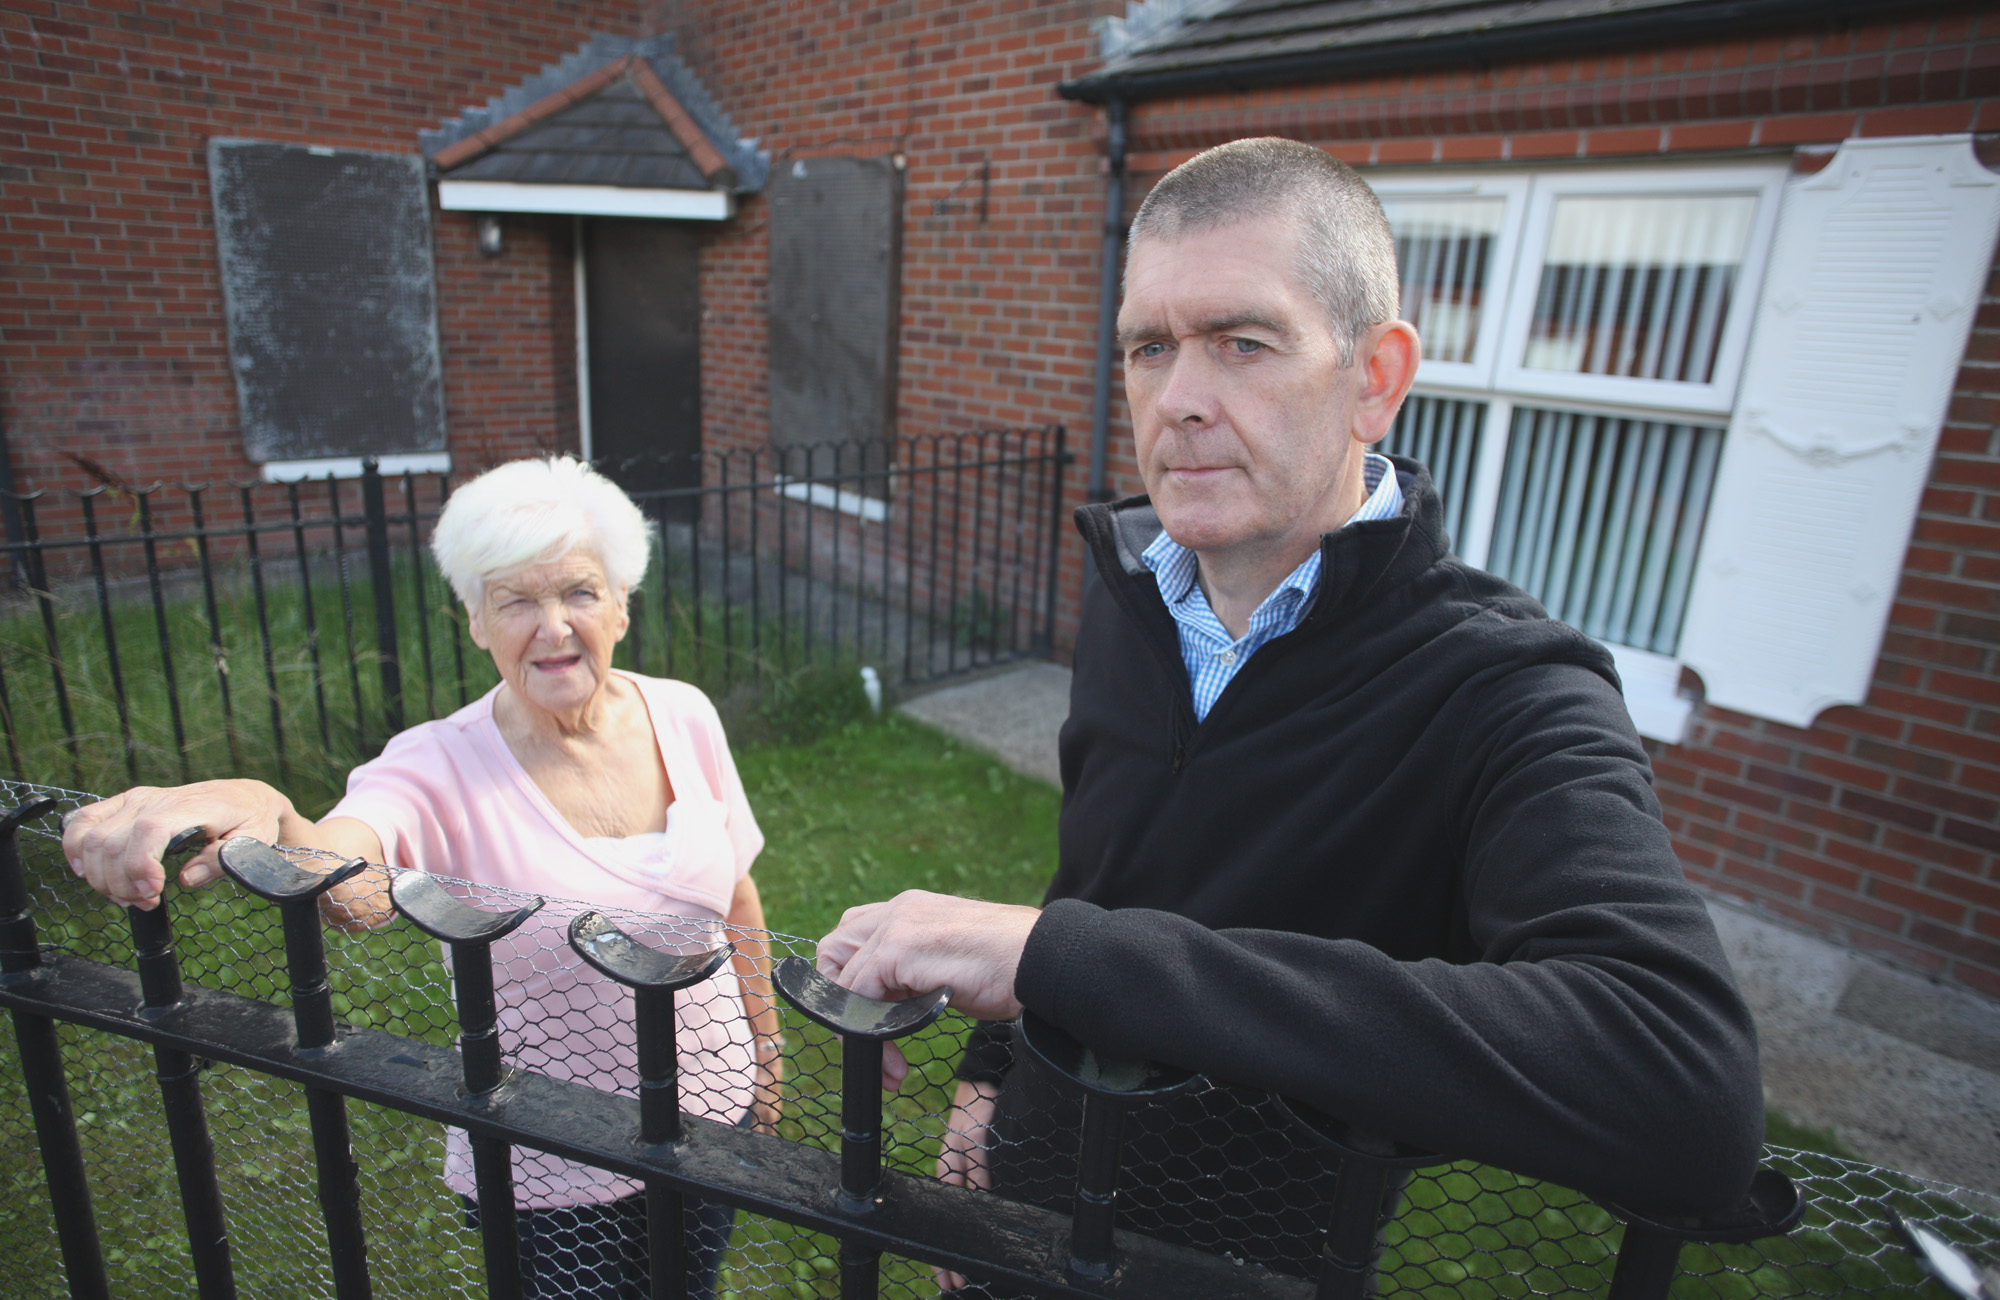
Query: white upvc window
{"type": "Point", "coordinates": [1637, 288]}
{"type": "Point", "coordinates": [1455, 244]}
{"type": "Point", "coordinates": [1691, 408]}
{"type": "Point", "coordinates": [1583, 333]}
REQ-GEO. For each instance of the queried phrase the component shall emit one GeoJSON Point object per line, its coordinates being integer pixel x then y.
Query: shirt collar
{"type": "Point", "coordinates": [1174, 565]}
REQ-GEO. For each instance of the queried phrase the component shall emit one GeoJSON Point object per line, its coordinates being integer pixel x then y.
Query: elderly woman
{"type": "Point", "coordinates": [570, 778]}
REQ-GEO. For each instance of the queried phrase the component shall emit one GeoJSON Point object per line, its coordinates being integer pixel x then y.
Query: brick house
{"type": "Point", "coordinates": [1713, 344]}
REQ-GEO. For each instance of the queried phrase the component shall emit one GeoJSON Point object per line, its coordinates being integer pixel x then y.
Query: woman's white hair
{"type": "Point", "coordinates": [534, 511]}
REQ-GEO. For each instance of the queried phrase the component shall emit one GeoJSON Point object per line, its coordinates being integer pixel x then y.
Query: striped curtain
{"type": "Point", "coordinates": [1638, 286]}
{"type": "Point", "coordinates": [1599, 518]}
{"type": "Point", "coordinates": [1443, 433]}
{"type": "Point", "coordinates": [1444, 248]}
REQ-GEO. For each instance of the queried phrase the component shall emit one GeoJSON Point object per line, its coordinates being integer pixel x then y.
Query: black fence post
{"type": "Point", "coordinates": [375, 518]}
{"type": "Point", "coordinates": [1109, 1086]}
{"type": "Point", "coordinates": [470, 932]}
{"type": "Point", "coordinates": [1365, 1193]}
{"type": "Point", "coordinates": [654, 979]}
{"type": "Point", "coordinates": [1046, 642]}
{"type": "Point", "coordinates": [863, 1025]}
{"type": "Point", "coordinates": [269, 875]}
{"type": "Point", "coordinates": [10, 513]}
{"type": "Point", "coordinates": [42, 1074]}
{"type": "Point", "coordinates": [1649, 1256]}
{"type": "Point", "coordinates": [180, 1095]}
{"type": "Point", "coordinates": [38, 583]}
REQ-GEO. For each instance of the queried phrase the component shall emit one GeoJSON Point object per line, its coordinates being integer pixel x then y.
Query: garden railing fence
{"type": "Point", "coordinates": [250, 627]}
{"type": "Point", "coordinates": [286, 1135]}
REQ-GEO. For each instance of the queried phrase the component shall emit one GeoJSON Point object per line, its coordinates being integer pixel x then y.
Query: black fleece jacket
{"type": "Point", "coordinates": [1410, 869]}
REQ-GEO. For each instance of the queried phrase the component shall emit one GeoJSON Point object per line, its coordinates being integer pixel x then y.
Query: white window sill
{"type": "Point", "coordinates": [872, 509]}
{"type": "Point", "coordinates": [291, 471]}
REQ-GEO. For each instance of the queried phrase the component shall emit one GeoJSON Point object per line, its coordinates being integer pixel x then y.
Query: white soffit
{"type": "Point", "coordinates": [584, 200]}
{"type": "Point", "coordinates": [1875, 274]}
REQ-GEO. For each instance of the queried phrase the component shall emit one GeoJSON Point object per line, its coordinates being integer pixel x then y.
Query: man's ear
{"type": "Point", "coordinates": [1385, 365]}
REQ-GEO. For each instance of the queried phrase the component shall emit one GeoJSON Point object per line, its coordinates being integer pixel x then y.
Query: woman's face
{"type": "Point", "coordinates": [551, 628]}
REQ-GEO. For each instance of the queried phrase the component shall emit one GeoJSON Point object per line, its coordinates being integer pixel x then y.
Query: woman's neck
{"type": "Point", "coordinates": [589, 722]}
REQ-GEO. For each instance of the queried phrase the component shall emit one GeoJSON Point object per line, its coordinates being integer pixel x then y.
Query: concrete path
{"type": "Point", "coordinates": [1905, 1071]}
{"type": "Point", "coordinates": [1014, 715]}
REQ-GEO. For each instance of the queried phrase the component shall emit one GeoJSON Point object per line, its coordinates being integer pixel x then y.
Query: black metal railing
{"type": "Point", "coordinates": [258, 628]}
{"type": "Point", "coordinates": [841, 1198]}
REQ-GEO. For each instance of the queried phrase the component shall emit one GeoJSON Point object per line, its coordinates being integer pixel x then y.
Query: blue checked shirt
{"type": "Point", "coordinates": [1212, 657]}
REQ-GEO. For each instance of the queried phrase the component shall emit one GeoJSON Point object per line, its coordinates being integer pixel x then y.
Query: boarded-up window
{"type": "Point", "coordinates": [836, 237]}
{"type": "Point", "coordinates": [327, 277]}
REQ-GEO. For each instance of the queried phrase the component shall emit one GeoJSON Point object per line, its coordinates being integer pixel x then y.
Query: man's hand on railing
{"type": "Point", "coordinates": [962, 1160]}
{"type": "Point", "coordinates": [918, 941]}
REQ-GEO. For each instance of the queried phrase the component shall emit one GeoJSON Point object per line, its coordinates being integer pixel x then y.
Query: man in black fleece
{"type": "Point", "coordinates": [1344, 819]}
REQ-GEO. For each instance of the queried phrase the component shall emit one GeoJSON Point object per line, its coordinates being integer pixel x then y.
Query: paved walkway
{"type": "Point", "coordinates": [1907, 1072]}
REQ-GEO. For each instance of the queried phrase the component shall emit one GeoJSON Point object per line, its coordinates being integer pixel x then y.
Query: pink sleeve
{"type": "Point", "coordinates": [395, 795]}
{"type": "Point", "coordinates": [711, 749]}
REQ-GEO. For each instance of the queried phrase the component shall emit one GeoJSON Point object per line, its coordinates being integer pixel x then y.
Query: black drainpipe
{"type": "Point", "coordinates": [1107, 295]}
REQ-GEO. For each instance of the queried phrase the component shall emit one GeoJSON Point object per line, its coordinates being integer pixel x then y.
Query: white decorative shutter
{"type": "Point", "coordinates": [1875, 274]}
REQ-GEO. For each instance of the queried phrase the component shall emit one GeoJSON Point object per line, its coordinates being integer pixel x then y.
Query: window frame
{"type": "Point", "coordinates": [1495, 377]}
{"type": "Point", "coordinates": [1512, 190]}
{"type": "Point", "coordinates": [1762, 180]}
{"type": "Point", "coordinates": [1517, 262]}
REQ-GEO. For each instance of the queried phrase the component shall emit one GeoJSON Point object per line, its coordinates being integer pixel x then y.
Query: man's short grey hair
{"type": "Point", "coordinates": [1346, 255]}
{"type": "Point", "coordinates": [531, 512]}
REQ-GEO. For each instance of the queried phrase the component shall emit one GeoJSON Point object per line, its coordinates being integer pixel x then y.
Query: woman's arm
{"type": "Point", "coordinates": [760, 1007]}
{"type": "Point", "coordinates": [115, 845]}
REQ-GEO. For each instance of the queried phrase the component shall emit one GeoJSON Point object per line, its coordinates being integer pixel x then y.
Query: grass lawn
{"type": "Point", "coordinates": [875, 809]}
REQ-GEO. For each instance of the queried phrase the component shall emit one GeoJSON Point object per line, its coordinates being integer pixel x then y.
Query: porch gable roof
{"type": "Point", "coordinates": [618, 113]}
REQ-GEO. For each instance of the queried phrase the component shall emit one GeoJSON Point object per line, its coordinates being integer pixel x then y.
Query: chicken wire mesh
{"type": "Point", "coordinates": [1219, 1169]}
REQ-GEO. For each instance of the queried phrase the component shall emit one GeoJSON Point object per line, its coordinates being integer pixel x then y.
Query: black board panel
{"type": "Point", "coordinates": [332, 305]}
{"type": "Point", "coordinates": [836, 235]}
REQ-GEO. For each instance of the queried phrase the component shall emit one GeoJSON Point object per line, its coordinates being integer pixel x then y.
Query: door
{"type": "Point", "coordinates": [642, 328]}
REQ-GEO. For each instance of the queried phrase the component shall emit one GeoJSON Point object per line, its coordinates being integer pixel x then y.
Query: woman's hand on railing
{"type": "Point", "coordinates": [116, 845]}
{"type": "Point", "coordinates": [962, 1159]}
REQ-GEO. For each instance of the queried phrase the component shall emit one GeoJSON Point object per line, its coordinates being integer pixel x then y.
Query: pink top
{"type": "Point", "coordinates": [450, 798]}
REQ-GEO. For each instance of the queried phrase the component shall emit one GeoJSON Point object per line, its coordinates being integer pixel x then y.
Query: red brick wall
{"type": "Point", "coordinates": [1926, 73]}
{"type": "Point", "coordinates": [112, 343]}
{"type": "Point", "coordinates": [998, 321]}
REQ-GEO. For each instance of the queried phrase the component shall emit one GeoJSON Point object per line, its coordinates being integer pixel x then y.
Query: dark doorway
{"type": "Point", "coordinates": [642, 320]}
